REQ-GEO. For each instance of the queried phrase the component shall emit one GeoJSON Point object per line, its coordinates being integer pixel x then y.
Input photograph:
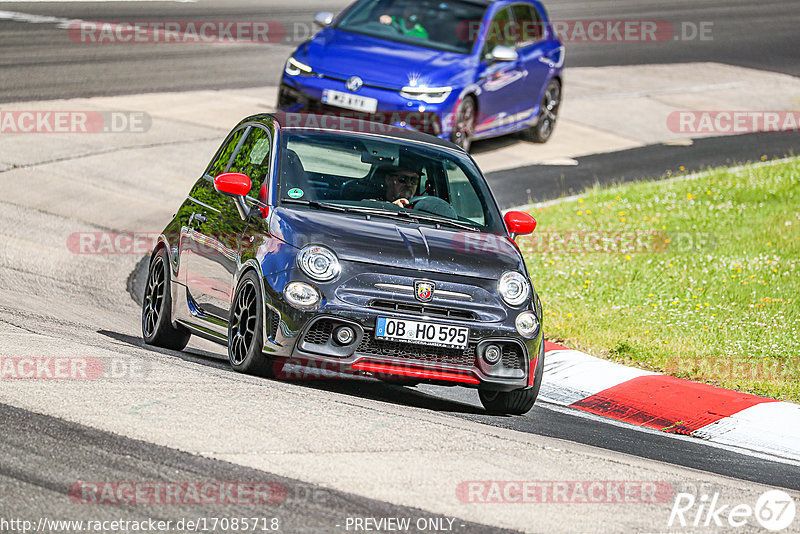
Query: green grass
{"type": "Point", "coordinates": [711, 291]}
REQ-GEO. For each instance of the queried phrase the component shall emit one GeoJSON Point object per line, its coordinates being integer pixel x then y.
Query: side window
{"type": "Point", "coordinates": [463, 196]}
{"type": "Point", "coordinates": [220, 162]}
{"type": "Point", "coordinates": [253, 159]}
{"type": "Point", "coordinates": [528, 24]}
{"type": "Point", "coordinates": [500, 32]}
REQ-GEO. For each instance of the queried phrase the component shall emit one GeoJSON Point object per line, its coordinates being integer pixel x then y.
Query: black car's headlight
{"type": "Point", "coordinates": [319, 263]}
{"type": "Point", "coordinates": [514, 288]}
{"type": "Point", "coordinates": [431, 95]}
{"type": "Point", "coordinates": [527, 324]}
{"type": "Point", "coordinates": [296, 68]}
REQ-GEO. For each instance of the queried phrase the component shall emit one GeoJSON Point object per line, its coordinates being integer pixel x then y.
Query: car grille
{"type": "Point", "coordinates": [320, 332]}
{"type": "Point", "coordinates": [417, 353]}
{"type": "Point", "coordinates": [420, 309]}
{"type": "Point", "coordinates": [512, 356]}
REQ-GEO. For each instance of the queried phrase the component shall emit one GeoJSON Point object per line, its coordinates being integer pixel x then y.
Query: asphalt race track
{"type": "Point", "coordinates": [338, 450]}
{"type": "Point", "coordinates": [760, 35]}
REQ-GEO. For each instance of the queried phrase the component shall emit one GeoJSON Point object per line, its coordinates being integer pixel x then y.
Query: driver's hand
{"type": "Point", "coordinates": [385, 19]}
{"type": "Point", "coordinates": [402, 202]}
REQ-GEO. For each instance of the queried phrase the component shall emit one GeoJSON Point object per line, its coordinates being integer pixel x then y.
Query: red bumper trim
{"type": "Point", "coordinates": [432, 374]}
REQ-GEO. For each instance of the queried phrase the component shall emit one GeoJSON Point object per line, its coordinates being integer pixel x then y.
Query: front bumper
{"type": "Point", "coordinates": [304, 94]}
{"type": "Point", "coordinates": [303, 340]}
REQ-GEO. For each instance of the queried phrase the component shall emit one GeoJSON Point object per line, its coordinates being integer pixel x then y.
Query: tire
{"type": "Point", "coordinates": [548, 114]}
{"type": "Point", "coordinates": [246, 328]}
{"type": "Point", "coordinates": [517, 402]}
{"type": "Point", "coordinates": [157, 327]}
{"type": "Point", "coordinates": [464, 123]}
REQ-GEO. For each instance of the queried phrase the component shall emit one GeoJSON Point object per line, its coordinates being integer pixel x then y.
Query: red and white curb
{"type": "Point", "coordinates": [668, 404]}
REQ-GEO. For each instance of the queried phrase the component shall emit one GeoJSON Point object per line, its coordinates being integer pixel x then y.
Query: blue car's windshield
{"type": "Point", "coordinates": [361, 173]}
{"type": "Point", "coordinates": [451, 25]}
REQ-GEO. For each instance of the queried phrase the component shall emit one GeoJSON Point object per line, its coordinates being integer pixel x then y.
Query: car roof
{"type": "Point", "coordinates": [331, 123]}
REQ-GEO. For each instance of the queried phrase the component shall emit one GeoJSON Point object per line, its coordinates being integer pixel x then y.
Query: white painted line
{"type": "Point", "coordinates": [672, 90]}
{"type": "Point", "coordinates": [89, 1]}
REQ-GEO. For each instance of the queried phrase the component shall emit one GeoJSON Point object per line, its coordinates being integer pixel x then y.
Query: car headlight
{"type": "Point", "coordinates": [295, 68]}
{"type": "Point", "coordinates": [301, 295]}
{"type": "Point", "coordinates": [514, 288]}
{"type": "Point", "coordinates": [319, 263]}
{"type": "Point", "coordinates": [431, 95]}
{"type": "Point", "coordinates": [527, 324]}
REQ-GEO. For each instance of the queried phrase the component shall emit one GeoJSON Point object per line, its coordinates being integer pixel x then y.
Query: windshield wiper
{"type": "Point", "coordinates": [443, 221]}
{"type": "Point", "coordinates": [315, 204]}
{"type": "Point", "coordinates": [414, 216]}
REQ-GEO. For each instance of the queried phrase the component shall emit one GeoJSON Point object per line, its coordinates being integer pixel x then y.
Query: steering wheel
{"type": "Point", "coordinates": [433, 205]}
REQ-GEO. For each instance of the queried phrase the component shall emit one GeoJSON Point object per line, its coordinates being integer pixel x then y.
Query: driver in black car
{"type": "Point", "coordinates": [402, 182]}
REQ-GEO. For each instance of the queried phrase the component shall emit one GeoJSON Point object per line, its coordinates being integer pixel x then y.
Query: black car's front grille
{"type": "Point", "coordinates": [512, 356]}
{"type": "Point", "coordinates": [320, 332]}
{"type": "Point", "coordinates": [422, 309]}
{"type": "Point", "coordinates": [417, 353]}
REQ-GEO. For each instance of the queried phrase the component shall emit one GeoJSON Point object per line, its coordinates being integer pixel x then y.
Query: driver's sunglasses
{"type": "Point", "coordinates": [405, 179]}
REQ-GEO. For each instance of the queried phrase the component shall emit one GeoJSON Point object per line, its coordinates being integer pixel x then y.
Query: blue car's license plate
{"type": "Point", "coordinates": [422, 332]}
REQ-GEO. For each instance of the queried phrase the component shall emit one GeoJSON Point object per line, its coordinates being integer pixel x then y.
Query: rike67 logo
{"type": "Point", "coordinates": [774, 510]}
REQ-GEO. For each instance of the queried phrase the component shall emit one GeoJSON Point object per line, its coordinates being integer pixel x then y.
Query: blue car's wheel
{"type": "Point", "coordinates": [548, 114]}
{"type": "Point", "coordinates": [464, 123]}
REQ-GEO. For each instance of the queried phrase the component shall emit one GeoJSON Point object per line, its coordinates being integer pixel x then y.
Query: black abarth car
{"type": "Point", "coordinates": [331, 245]}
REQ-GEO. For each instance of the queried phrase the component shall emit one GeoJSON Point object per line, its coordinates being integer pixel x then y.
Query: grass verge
{"type": "Point", "coordinates": [697, 278]}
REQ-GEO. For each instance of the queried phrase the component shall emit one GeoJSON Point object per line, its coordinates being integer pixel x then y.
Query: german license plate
{"type": "Point", "coordinates": [422, 332]}
{"type": "Point", "coordinates": [349, 101]}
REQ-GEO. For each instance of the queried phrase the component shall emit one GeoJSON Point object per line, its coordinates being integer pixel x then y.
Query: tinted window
{"type": "Point", "coordinates": [446, 25]}
{"type": "Point", "coordinates": [220, 163]}
{"type": "Point", "coordinates": [253, 158]}
{"type": "Point", "coordinates": [528, 25]}
{"type": "Point", "coordinates": [501, 31]}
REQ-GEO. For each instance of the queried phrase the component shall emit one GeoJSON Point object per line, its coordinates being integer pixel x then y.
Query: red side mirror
{"type": "Point", "coordinates": [233, 183]}
{"type": "Point", "coordinates": [519, 223]}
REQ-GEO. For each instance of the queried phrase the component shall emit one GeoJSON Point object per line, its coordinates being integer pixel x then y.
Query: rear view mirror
{"type": "Point", "coordinates": [519, 223]}
{"type": "Point", "coordinates": [233, 183]}
{"type": "Point", "coordinates": [323, 19]}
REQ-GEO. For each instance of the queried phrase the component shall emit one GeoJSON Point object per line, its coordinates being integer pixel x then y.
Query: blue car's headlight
{"type": "Point", "coordinates": [296, 68]}
{"type": "Point", "coordinates": [431, 95]}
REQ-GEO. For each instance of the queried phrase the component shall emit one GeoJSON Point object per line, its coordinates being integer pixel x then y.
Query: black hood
{"type": "Point", "coordinates": [399, 244]}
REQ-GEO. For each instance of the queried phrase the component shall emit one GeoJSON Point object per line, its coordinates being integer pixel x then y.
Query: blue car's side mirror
{"type": "Point", "coordinates": [503, 53]}
{"type": "Point", "coordinates": [323, 19]}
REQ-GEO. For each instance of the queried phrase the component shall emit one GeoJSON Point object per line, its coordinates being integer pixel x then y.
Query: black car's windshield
{"type": "Point", "coordinates": [374, 175]}
{"type": "Point", "coordinates": [450, 25]}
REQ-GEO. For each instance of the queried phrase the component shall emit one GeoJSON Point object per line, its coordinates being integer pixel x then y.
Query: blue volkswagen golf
{"type": "Point", "coordinates": [458, 69]}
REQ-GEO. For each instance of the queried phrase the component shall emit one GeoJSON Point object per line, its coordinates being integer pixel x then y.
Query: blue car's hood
{"type": "Point", "coordinates": [380, 62]}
